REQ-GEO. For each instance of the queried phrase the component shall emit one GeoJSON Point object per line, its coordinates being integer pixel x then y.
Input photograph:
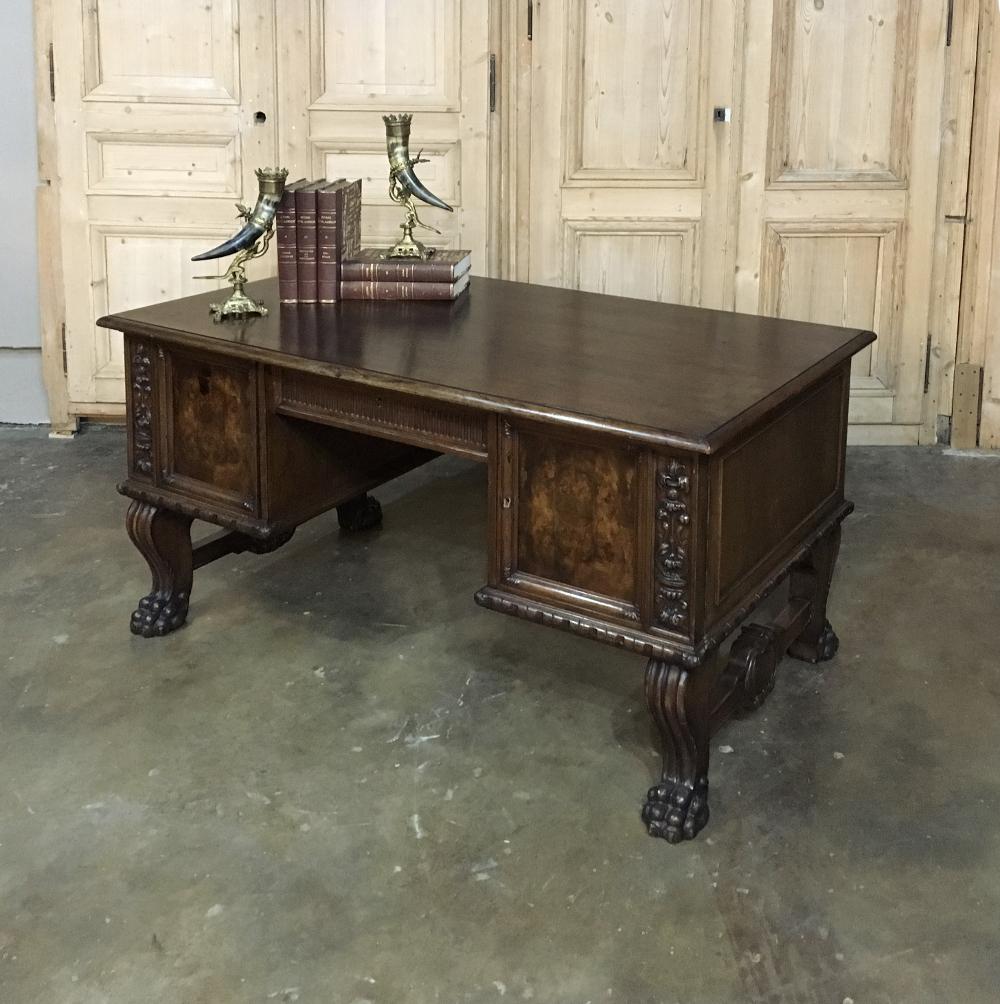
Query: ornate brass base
{"type": "Point", "coordinates": [238, 305]}
{"type": "Point", "coordinates": [408, 246]}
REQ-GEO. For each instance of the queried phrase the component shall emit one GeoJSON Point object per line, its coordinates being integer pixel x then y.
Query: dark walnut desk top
{"type": "Point", "coordinates": [681, 376]}
{"type": "Point", "coordinates": [654, 471]}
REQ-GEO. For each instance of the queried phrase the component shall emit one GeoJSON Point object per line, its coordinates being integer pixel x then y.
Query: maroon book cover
{"type": "Point", "coordinates": [369, 265]}
{"type": "Point", "coordinates": [306, 241]}
{"type": "Point", "coordinates": [339, 228]}
{"type": "Point", "coordinates": [287, 244]}
{"type": "Point", "coordinates": [329, 217]}
{"type": "Point", "coordinates": [403, 290]}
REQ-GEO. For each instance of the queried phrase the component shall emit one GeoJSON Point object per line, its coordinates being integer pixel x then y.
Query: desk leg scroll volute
{"type": "Point", "coordinates": [163, 538]}
{"type": "Point", "coordinates": [689, 705]}
{"type": "Point", "coordinates": [678, 699]}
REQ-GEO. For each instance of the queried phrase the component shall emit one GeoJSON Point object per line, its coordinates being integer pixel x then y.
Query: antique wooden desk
{"type": "Point", "coordinates": [654, 471]}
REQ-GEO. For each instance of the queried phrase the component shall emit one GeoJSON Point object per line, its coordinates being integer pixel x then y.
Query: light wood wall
{"type": "Point", "coordinates": [977, 383]}
{"type": "Point", "coordinates": [836, 191]}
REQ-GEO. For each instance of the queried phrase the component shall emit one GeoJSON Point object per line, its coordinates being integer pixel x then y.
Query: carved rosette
{"type": "Point", "coordinates": [672, 562]}
{"type": "Point", "coordinates": [142, 410]}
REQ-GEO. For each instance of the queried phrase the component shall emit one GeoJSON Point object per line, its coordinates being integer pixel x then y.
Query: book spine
{"type": "Point", "coordinates": [397, 290]}
{"type": "Point", "coordinates": [288, 291]}
{"type": "Point", "coordinates": [329, 226]}
{"type": "Point", "coordinates": [306, 239]}
{"type": "Point", "coordinates": [397, 271]}
{"type": "Point", "coordinates": [350, 227]}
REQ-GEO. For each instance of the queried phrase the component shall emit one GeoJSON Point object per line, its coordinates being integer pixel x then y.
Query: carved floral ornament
{"type": "Point", "coordinates": [673, 518]}
{"type": "Point", "coordinates": [142, 409]}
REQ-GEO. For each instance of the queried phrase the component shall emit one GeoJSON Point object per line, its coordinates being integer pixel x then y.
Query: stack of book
{"type": "Point", "coordinates": [320, 258]}
{"type": "Point", "coordinates": [371, 276]}
{"type": "Point", "coordinates": [318, 226]}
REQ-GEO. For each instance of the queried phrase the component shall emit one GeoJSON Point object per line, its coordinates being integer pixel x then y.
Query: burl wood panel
{"type": "Point", "coordinates": [211, 435]}
{"type": "Point", "coordinates": [577, 514]}
{"type": "Point", "coordinates": [774, 483]}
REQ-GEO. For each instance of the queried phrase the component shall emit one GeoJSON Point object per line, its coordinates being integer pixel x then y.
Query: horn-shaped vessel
{"type": "Point", "coordinates": [397, 143]}
{"type": "Point", "coordinates": [404, 185]}
{"type": "Point", "coordinates": [250, 242]}
{"type": "Point", "coordinates": [270, 188]}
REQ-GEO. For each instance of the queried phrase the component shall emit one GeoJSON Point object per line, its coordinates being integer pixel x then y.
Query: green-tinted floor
{"type": "Point", "coordinates": [345, 782]}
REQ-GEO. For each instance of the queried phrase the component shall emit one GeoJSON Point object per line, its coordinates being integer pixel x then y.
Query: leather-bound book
{"type": "Point", "coordinates": [306, 240]}
{"type": "Point", "coordinates": [368, 265]}
{"type": "Point", "coordinates": [329, 227]}
{"type": "Point", "coordinates": [329, 222]}
{"type": "Point", "coordinates": [338, 207]}
{"type": "Point", "coordinates": [350, 246]}
{"type": "Point", "coordinates": [403, 290]}
{"type": "Point", "coordinates": [287, 244]}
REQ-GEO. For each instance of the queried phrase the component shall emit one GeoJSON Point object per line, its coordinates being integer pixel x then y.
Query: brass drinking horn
{"type": "Point", "coordinates": [271, 186]}
{"type": "Point", "coordinates": [397, 142]}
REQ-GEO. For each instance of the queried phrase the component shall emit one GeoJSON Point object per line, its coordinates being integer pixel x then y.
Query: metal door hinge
{"type": "Point", "coordinates": [65, 357]}
{"type": "Point", "coordinates": [963, 219]}
{"type": "Point", "coordinates": [950, 23]}
{"type": "Point", "coordinates": [52, 72]}
{"type": "Point", "coordinates": [927, 364]}
{"type": "Point", "coordinates": [531, 18]}
{"type": "Point", "coordinates": [493, 82]}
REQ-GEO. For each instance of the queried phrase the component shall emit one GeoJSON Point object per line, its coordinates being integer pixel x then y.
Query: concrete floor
{"type": "Point", "coordinates": [345, 782]}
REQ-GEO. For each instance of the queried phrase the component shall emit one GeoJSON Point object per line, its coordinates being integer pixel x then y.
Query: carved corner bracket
{"type": "Point", "coordinates": [672, 563]}
{"type": "Point", "coordinates": [142, 409]}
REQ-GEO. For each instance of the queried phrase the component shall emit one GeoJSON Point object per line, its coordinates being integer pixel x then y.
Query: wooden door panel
{"type": "Point", "coordinates": [836, 272]}
{"type": "Point", "coordinates": [651, 260]}
{"type": "Point", "coordinates": [161, 163]}
{"type": "Point", "coordinates": [155, 111]}
{"type": "Point", "coordinates": [629, 177]}
{"type": "Point", "coordinates": [375, 53]}
{"type": "Point", "coordinates": [345, 63]}
{"type": "Point", "coordinates": [184, 50]}
{"type": "Point", "coordinates": [638, 75]}
{"type": "Point", "coordinates": [841, 149]}
{"type": "Point", "coordinates": [842, 81]}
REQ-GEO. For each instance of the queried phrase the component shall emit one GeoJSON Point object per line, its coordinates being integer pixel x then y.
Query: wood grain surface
{"type": "Point", "coordinates": [669, 374]}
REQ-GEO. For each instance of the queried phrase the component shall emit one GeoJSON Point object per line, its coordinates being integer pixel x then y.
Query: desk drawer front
{"type": "Point", "coordinates": [403, 417]}
{"type": "Point", "coordinates": [571, 514]}
{"type": "Point", "coordinates": [209, 436]}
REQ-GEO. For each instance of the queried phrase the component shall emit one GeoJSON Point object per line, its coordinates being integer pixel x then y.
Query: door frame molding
{"type": "Point", "coordinates": [957, 211]}
{"type": "Point", "coordinates": [47, 203]}
{"type": "Point", "coordinates": [982, 232]}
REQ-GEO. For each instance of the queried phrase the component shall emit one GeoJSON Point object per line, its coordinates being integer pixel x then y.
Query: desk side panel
{"type": "Point", "coordinates": [771, 488]}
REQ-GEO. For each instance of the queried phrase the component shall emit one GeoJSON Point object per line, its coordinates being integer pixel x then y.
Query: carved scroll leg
{"type": "Point", "coordinates": [677, 808]}
{"type": "Point", "coordinates": [811, 580]}
{"type": "Point", "coordinates": [164, 540]}
{"type": "Point", "coordinates": [360, 513]}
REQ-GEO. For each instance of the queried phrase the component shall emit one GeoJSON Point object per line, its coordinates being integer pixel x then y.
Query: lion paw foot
{"type": "Point", "coordinates": [157, 615]}
{"type": "Point", "coordinates": [676, 811]}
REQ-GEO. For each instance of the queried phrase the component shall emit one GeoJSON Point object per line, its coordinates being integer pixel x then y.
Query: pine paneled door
{"type": "Point", "coordinates": [776, 157]}
{"type": "Point", "coordinates": [162, 112]}
{"type": "Point", "coordinates": [803, 158]}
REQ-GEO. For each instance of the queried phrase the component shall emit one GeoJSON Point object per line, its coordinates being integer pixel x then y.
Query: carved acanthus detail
{"type": "Point", "coordinates": [142, 410]}
{"type": "Point", "coordinates": [673, 519]}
